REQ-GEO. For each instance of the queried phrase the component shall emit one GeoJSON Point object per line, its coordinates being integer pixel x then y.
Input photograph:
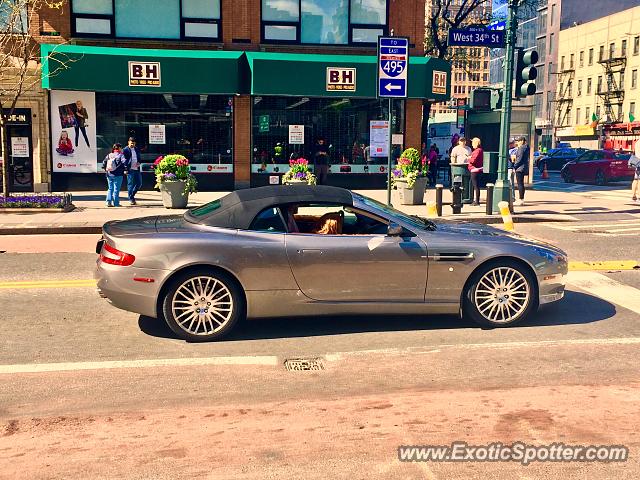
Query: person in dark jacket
{"type": "Point", "coordinates": [113, 165]}
{"type": "Point", "coordinates": [132, 164]}
{"type": "Point", "coordinates": [321, 161]}
{"type": "Point", "coordinates": [475, 167]}
{"type": "Point", "coordinates": [521, 167]}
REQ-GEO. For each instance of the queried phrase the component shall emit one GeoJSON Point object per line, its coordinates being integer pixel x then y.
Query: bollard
{"type": "Point", "coordinates": [432, 210]}
{"type": "Point", "coordinates": [439, 188]}
{"type": "Point", "coordinates": [507, 219]}
{"type": "Point", "coordinates": [456, 189]}
{"type": "Point", "coordinates": [489, 210]}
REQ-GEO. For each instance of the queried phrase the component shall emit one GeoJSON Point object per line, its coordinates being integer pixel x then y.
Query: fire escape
{"type": "Point", "coordinates": [614, 93]}
{"type": "Point", "coordinates": [564, 99]}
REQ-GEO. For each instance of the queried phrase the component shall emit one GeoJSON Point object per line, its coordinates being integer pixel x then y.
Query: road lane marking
{"type": "Point", "coordinates": [605, 265]}
{"type": "Point", "coordinates": [18, 285]}
{"type": "Point", "coordinates": [607, 289]}
{"type": "Point", "coordinates": [125, 364]}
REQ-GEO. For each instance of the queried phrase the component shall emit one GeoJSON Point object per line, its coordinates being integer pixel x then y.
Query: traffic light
{"type": "Point", "coordinates": [526, 72]}
{"type": "Point", "coordinates": [485, 99]}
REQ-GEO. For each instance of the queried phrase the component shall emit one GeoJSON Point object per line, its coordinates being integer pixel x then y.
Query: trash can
{"type": "Point", "coordinates": [462, 169]}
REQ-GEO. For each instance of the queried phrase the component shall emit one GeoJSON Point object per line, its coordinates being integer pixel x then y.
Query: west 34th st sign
{"type": "Point", "coordinates": [476, 37]}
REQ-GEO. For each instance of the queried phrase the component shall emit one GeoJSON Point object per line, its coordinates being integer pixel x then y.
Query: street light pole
{"type": "Point", "coordinates": [502, 190]}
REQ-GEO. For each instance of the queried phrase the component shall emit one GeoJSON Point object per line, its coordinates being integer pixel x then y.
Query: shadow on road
{"type": "Point", "coordinates": [576, 308]}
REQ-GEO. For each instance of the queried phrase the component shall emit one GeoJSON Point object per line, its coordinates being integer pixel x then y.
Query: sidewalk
{"type": "Point", "coordinates": [543, 205]}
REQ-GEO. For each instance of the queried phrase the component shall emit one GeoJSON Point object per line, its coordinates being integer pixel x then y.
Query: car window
{"type": "Point", "coordinates": [269, 220]}
{"type": "Point", "coordinates": [586, 157]}
{"type": "Point", "coordinates": [323, 219]}
{"type": "Point", "coordinates": [599, 155]}
{"type": "Point", "coordinates": [622, 156]}
{"type": "Point", "coordinates": [206, 209]}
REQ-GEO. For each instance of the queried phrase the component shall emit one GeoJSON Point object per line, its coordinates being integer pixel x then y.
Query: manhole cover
{"type": "Point", "coordinates": [303, 364]}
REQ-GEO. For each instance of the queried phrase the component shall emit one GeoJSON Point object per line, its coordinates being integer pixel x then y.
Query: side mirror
{"type": "Point", "coordinates": [394, 230]}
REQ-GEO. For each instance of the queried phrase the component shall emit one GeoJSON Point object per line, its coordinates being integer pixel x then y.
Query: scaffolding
{"type": "Point", "coordinates": [564, 99]}
{"type": "Point", "coordinates": [614, 93]}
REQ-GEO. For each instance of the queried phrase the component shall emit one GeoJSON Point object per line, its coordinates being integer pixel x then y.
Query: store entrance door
{"type": "Point", "coordinates": [20, 155]}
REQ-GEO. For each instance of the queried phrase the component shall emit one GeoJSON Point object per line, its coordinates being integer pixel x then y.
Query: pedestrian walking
{"type": "Point", "coordinates": [113, 165]}
{"type": "Point", "coordinates": [131, 155]}
{"type": "Point", "coordinates": [521, 167]}
{"type": "Point", "coordinates": [475, 167]}
{"type": "Point", "coordinates": [432, 160]}
{"type": "Point", "coordinates": [634, 161]}
{"type": "Point", "coordinates": [511, 173]}
{"type": "Point", "coordinates": [321, 161]}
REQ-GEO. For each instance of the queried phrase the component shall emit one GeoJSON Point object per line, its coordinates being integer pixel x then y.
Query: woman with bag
{"type": "Point", "coordinates": [634, 162]}
{"type": "Point", "coordinates": [475, 167]}
{"type": "Point", "coordinates": [113, 165]}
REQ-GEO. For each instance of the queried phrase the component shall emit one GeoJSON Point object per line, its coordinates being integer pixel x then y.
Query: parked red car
{"type": "Point", "coordinates": [599, 167]}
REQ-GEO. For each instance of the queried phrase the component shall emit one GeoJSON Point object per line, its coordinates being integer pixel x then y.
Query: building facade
{"type": "Point", "coordinates": [238, 87]}
{"type": "Point", "coordinates": [598, 82]}
{"type": "Point", "coordinates": [469, 65]}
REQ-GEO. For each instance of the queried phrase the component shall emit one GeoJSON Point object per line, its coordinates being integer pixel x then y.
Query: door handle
{"type": "Point", "coordinates": [309, 251]}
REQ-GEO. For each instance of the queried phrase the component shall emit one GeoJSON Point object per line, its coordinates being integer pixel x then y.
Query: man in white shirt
{"type": "Point", "coordinates": [460, 153]}
{"type": "Point", "coordinates": [132, 162]}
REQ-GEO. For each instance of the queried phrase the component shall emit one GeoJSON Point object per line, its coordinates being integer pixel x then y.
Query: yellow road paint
{"type": "Point", "coordinates": [606, 265]}
{"type": "Point", "coordinates": [18, 285]}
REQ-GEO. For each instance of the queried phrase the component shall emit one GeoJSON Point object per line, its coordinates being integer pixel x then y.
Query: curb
{"type": "Point", "coordinates": [59, 230]}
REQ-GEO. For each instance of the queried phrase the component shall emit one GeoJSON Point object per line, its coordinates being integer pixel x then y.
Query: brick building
{"type": "Point", "coordinates": [222, 81]}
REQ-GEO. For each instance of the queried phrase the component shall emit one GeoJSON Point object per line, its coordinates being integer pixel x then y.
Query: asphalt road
{"type": "Point", "coordinates": [88, 391]}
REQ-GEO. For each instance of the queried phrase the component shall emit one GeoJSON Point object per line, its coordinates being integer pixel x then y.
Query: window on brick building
{"type": "Point", "coordinates": [171, 19]}
{"type": "Point", "coordinates": [591, 56]}
{"type": "Point", "coordinates": [582, 59]}
{"type": "Point", "coordinates": [588, 86]}
{"type": "Point", "coordinates": [636, 45]}
{"type": "Point", "coordinates": [328, 22]}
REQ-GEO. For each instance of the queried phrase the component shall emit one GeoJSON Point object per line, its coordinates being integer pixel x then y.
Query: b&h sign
{"type": "Point", "coordinates": [341, 79]}
{"type": "Point", "coordinates": [439, 82]}
{"type": "Point", "coordinates": [144, 74]}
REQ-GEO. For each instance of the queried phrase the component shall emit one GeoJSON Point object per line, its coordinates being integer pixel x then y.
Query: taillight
{"type": "Point", "coordinates": [113, 256]}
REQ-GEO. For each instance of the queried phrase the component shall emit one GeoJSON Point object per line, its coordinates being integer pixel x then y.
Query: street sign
{"type": "Point", "coordinates": [476, 37]}
{"type": "Point", "coordinates": [393, 65]}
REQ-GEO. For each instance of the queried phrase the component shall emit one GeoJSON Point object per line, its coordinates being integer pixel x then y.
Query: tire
{"type": "Point", "coordinates": [487, 308]}
{"type": "Point", "coordinates": [224, 305]}
{"type": "Point", "coordinates": [567, 177]}
{"type": "Point", "coordinates": [601, 179]}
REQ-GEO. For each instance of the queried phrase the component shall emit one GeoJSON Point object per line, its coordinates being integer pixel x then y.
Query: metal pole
{"type": "Point", "coordinates": [389, 155]}
{"type": "Point", "coordinates": [489, 210]}
{"type": "Point", "coordinates": [439, 188]}
{"type": "Point", "coordinates": [502, 191]}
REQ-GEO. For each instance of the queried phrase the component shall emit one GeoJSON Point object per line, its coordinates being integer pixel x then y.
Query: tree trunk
{"type": "Point", "coordinates": [5, 159]}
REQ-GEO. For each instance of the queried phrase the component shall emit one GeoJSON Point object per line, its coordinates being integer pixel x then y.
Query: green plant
{"type": "Point", "coordinates": [299, 170]}
{"type": "Point", "coordinates": [173, 168]}
{"type": "Point", "coordinates": [410, 167]}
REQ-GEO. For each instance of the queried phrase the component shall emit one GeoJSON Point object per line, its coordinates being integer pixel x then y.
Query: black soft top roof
{"type": "Point", "coordinates": [239, 208]}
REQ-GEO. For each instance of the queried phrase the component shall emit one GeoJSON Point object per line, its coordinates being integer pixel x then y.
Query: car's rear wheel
{"type": "Point", "coordinates": [200, 306]}
{"type": "Point", "coordinates": [500, 294]}
{"type": "Point", "coordinates": [601, 179]}
{"type": "Point", "coordinates": [567, 177]}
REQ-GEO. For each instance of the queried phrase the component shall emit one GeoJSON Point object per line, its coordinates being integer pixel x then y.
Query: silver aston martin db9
{"type": "Point", "coordinates": [317, 250]}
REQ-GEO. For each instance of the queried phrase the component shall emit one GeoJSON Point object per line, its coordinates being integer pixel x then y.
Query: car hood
{"type": "Point", "coordinates": [487, 232]}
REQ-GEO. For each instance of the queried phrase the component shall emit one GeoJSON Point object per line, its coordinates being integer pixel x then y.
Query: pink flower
{"type": "Point", "coordinates": [158, 160]}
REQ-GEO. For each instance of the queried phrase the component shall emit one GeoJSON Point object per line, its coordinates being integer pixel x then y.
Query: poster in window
{"type": "Point", "coordinates": [296, 134]}
{"type": "Point", "coordinates": [157, 134]}
{"type": "Point", "coordinates": [20, 147]}
{"type": "Point", "coordinates": [73, 131]}
{"type": "Point", "coordinates": [379, 138]}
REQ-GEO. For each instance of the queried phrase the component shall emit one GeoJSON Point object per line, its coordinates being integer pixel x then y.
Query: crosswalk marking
{"type": "Point", "coordinates": [606, 288]}
{"type": "Point", "coordinates": [623, 227]}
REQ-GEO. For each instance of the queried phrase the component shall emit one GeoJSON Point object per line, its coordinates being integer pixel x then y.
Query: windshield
{"type": "Point", "coordinates": [205, 209]}
{"type": "Point", "coordinates": [414, 221]}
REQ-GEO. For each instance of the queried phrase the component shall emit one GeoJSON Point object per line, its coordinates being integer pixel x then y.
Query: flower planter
{"type": "Point", "coordinates": [173, 195]}
{"type": "Point", "coordinates": [411, 196]}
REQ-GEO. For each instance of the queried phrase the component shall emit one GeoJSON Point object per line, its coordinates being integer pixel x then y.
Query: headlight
{"type": "Point", "coordinates": [550, 255]}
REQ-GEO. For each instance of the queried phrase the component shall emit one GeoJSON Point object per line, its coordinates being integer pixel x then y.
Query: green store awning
{"type": "Point", "coordinates": [113, 69]}
{"type": "Point", "coordinates": [292, 74]}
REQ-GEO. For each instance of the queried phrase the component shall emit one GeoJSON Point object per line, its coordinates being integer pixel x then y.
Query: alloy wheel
{"type": "Point", "coordinates": [502, 295]}
{"type": "Point", "coordinates": [202, 305]}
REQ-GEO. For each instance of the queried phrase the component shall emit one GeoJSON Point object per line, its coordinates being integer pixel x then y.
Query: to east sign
{"type": "Point", "coordinates": [476, 37]}
{"type": "Point", "coordinates": [393, 65]}
{"type": "Point", "coordinates": [144, 74]}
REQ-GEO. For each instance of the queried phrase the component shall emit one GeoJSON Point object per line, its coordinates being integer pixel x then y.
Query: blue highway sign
{"type": "Point", "coordinates": [393, 66]}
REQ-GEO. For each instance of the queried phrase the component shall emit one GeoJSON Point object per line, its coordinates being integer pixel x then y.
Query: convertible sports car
{"type": "Point", "coordinates": [317, 250]}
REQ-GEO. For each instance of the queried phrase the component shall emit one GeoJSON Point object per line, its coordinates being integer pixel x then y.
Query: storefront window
{"type": "Point", "coordinates": [171, 19]}
{"type": "Point", "coordinates": [196, 126]}
{"type": "Point", "coordinates": [336, 22]}
{"type": "Point", "coordinates": [344, 124]}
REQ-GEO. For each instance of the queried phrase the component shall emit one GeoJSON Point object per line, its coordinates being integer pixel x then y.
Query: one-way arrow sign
{"type": "Point", "coordinates": [393, 65]}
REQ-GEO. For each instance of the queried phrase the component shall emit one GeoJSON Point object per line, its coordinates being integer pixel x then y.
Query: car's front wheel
{"type": "Point", "coordinates": [601, 179]}
{"type": "Point", "coordinates": [200, 306]}
{"type": "Point", "coordinates": [500, 294]}
{"type": "Point", "coordinates": [567, 177]}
